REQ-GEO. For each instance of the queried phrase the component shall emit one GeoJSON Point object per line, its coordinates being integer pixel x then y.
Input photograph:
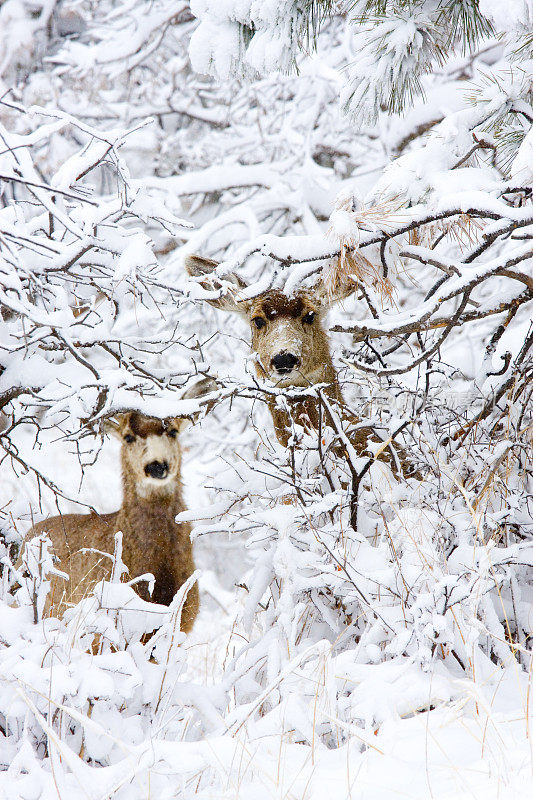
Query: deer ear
{"type": "Point", "coordinates": [327, 295]}
{"type": "Point", "coordinates": [198, 267]}
{"type": "Point", "coordinates": [198, 389]}
{"type": "Point", "coordinates": [112, 426]}
{"type": "Point", "coordinates": [119, 424]}
{"type": "Point", "coordinates": [183, 422]}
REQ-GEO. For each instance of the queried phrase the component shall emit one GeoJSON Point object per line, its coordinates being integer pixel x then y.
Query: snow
{"type": "Point", "coordinates": [515, 13]}
{"type": "Point", "coordinates": [521, 167]}
{"type": "Point", "coordinates": [390, 659]}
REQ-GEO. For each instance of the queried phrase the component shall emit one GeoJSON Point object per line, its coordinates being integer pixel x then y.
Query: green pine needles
{"type": "Point", "coordinates": [402, 41]}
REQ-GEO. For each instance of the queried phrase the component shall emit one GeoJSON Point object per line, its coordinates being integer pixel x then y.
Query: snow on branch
{"type": "Point", "coordinates": [73, 264]}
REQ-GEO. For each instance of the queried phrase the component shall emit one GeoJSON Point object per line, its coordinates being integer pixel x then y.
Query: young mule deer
{"type": "Point", "coordinates": [292, 349]}
{"type": "Point", "coordinates": [152, 540]}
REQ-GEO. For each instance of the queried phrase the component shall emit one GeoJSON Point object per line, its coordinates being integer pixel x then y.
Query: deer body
{"type": "Point", "coordinates": [152, 540]}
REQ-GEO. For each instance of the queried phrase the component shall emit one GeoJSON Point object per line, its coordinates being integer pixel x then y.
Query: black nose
{"type": "Point", "coordinates": [285, 362]}
{"type": "Point", "coordinates": [157, 469]}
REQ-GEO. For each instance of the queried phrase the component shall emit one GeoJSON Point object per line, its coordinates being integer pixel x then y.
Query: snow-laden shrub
{"type": "Point", "coordinates": [90, 689]}
{"type": "Point", "coordinates": [434, 580]}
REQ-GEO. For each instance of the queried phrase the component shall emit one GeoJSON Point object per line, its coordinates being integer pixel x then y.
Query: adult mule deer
{"type": "Point", "coordinates": [292, 349]}
{"type": "Point", "coordinates": [152, 540]}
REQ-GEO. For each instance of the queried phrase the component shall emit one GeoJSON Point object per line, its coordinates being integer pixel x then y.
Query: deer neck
{"type": "Point", "coordinates": [309, 413]}
{"type": "Point", "coordinates": [327, 374]}
{"type": "Point", "coordinates": [147, 515]}
{"type": "Point", "coordinates": [153, 541]}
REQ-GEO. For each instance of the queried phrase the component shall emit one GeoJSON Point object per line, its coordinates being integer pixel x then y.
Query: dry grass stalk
{"type": "Point", "coordinates": [351, 265]}
{"type": "Point", "coordinates": [463, 229]}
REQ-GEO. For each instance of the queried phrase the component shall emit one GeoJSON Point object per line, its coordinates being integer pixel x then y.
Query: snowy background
{"type": "Point", "coordinates": [393, 660]}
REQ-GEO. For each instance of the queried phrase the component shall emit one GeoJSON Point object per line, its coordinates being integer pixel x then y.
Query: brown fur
{"type": "Point", "coordinates": [152, 541]}
{"type": "Point", "coordinates": [285, 329]}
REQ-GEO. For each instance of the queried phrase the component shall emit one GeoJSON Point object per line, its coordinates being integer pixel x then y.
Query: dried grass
{"type": "Point", "coordinates": [463, 229]}
{"type": "Point", "coordinates": [351, 265]}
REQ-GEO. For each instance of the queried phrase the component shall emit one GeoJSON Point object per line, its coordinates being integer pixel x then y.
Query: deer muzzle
{"type": "Point", "coordinates": [284, 362]}
{"type": "Point", "coordinates": [157, 469]}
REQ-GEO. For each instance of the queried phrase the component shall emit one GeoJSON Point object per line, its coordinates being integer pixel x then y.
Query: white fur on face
{"type": "Point", "coordinates": [283, 336]}
{"type": "Point", "coordinates": [307, 342]}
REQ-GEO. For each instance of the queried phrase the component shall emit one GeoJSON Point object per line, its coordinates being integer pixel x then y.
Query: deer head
{"type": "Point", "coordinates": [151, 449]}
{"type": "Point", "coordinates": [288, 333]}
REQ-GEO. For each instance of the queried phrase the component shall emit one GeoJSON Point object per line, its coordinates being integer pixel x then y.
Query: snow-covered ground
{"type": "Point", "coordinates": [421, 734]}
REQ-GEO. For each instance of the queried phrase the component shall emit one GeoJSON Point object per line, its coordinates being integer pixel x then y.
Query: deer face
{"type": "Point", "coordinates": [287, 331]}
{"type": "Point", "coordinates": [151, 452]}
{"type": "Point", "coordinates": [288, 337]}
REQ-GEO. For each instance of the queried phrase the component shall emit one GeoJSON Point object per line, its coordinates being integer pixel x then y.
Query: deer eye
{"type": "Point", "coordinates": [172, 432]}
{"type": "Point", "coordinates": [129, 438]}
{"type": "Point", "coordinates": [259, 322]}
{"type": "Point", "coordinates": [309, 317]}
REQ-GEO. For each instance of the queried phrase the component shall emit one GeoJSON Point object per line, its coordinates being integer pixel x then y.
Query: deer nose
{"type": "Point", "coordinates": [157, 469]}
{"type": "Point", "coordinates": [285, 362]}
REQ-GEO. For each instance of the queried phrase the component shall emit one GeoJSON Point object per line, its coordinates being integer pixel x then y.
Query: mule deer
{"type": "Point", "coordinates": [292, 349]}
{"type": "Point", "coordinates": [152, 540]}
